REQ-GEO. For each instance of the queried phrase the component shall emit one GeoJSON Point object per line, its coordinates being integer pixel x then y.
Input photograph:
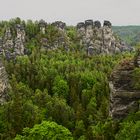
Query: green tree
{"type": "Point", "coordinates": [45, 131]}
{"type": "Point", "coordinates": [129, 131]}
{"type": "Point", "coordinates": [60, 87]}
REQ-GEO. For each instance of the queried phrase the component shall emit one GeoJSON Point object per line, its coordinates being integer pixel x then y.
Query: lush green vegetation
{"type": "Point", "coordinates": [129, 34]}
{"type": "Point", "coordinates": [61, 95]}
{"type": "Point", "coordinates": [45, 130]}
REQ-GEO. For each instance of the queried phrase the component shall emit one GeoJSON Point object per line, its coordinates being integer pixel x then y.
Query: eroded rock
{"type": "Point", "coordinates": [102, 39]}
{"type": "Point", "coordinates": [3, 84]}
{"type": "Point", "coordinates": [19, 40]}
{"type": "Point", "coordinates": [124, 97]}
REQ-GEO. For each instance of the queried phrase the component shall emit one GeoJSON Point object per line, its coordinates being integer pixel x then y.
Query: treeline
{"type": "Point", "coordinates": [129, 34]}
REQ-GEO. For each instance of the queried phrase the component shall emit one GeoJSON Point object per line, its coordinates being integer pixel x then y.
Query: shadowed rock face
{"type": "Point", "coordinates": [89, 23]}
{"type": "Point", "coordinates": [80, 25]}
{"type": "Point", "coordinates": [3, 84]}
{"type": "Point", "coordinates": [97, 24]}
{"type": "Point", "coordinates": [60, 25]}
{"type": "Point", "coordinates": [107, 23]}
{"type": "Point", "coordinates": [100, 39]}
{"type": "Point", "coordinates": [1, 47]}
{"type": "Point", "coordinates": [123, 97]}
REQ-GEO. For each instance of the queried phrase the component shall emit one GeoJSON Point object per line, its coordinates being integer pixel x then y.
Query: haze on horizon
{"type": "Point", "coordinates": [119, 12]}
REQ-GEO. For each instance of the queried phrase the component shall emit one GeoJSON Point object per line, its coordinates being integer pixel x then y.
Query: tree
{"type": "Point", "coordinates": [45, 131]}
{"type": "Point", "coordinates": [129, 131]}
{"type": "Point", "coordinates": [60, 87]}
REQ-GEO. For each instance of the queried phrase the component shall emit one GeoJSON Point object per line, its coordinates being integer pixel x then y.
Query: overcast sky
{"type": "Point", "coordinates": [119, 12]}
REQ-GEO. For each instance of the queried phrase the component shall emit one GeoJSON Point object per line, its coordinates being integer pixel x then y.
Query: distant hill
{"type": "Point", "coordinates": [129, 34]}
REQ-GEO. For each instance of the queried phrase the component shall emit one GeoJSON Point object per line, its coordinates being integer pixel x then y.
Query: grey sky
{"type": "Point", "coordinates": [119, 12]}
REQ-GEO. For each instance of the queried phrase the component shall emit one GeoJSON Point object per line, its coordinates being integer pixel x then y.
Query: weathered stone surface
{"type": "Point", "coordinates": [60, 25]}
{"type": "Point", "coordinates": [1, 47]}
{"type": "Point", "coordinates": [8, 44]}
{"type": "Point", "coordinates": [3, 84]}
{"type": "Point", "coordinates": [11, 46]}
{"type": "Point", "coordinates": [107, 23]}
{"type": "Point", "coordinates": [19, 40]}
{"type": "Point", "coordinates": [97, 24]}
{"type": "Point", "coordinates": [89, 23]}
{"type": "Point", "coordinates": [90, 50]}
{"type": "Point", "coordinates": [123, 97]}
{"type": "Point", "coordinates": [101, 39]}
{"type": "Point", "coordinates": [81, 33]}
{"type": "Point", "coordinates": [80, 25]}
{"type": "Point", "coordinates": [60, 41]}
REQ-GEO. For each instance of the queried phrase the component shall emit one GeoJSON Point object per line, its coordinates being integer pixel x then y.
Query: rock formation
{"type": "Point", "coordinates": [1, 47]}
{"type": "Point", "coordinates": [97, 39]}
{"type": "Point", "coordinates": [8, 44]}
{"type": "Point", "coordinates": [60, 39]}
{"type": "Point", "coordinates": [124, 97]}
{"type": "Point", "coordinates": [19, 40]}
{"type": "Point", "coordinates": [94, 38]}
{"type": "Point", "coordinates": [3, 84]}
{"type": "Point", "coordinates": [60, 25]}
{"type": "Point", "coordinates": [42, 26]}
{"type": "Point", "coordinates": [13, 46]}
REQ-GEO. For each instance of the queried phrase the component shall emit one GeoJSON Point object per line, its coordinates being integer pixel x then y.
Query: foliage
{"type": "Point", "coordinates": [129, 131]}
{"type": "Point", "coordinates": [65, 90]}
{"type": "Point", "coordinates": [46, 130]}
{"type": "Point", "coordinates": [129, 34]}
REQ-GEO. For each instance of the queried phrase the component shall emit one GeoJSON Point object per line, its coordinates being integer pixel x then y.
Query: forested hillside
{"type": "Point", "coordinates": [129, 34]}
{"type": "Point", "coordinates": [56, 90]}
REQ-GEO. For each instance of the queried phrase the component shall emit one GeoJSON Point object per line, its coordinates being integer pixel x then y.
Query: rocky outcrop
{"type": "Point", "coordinates": [60, 39]}
{"type": "Point", "coordinates": [60, 25]}
{"type": "Point", "coordinates": [3, 84]}
{"type": "Point", "coordinates": [97, 39]}
{"type": "Point", "coordinates": [12, 46]}
{"type": "Point", "coordinates": [19, 40]}
{"type": "Point", "coordinates": [8, 44]}
{"type": "Point", "coordinates": [94, 38]}
{"type": "Point", "coordinates": [42, 26]}
{"type": "Point", "coordinates": [1, 47]}
{"type": "Point", "coordinates": [124, 97]}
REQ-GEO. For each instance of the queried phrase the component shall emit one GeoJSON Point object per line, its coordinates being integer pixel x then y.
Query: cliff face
{"type": "Point", "coordinates": [124, 97]}
{"type": "Point", "coordinates": [97, 39]}
{"type": "Point", "coordinates": [3, 84]}
{"type": "Point", "coordinates": [12, 46]}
